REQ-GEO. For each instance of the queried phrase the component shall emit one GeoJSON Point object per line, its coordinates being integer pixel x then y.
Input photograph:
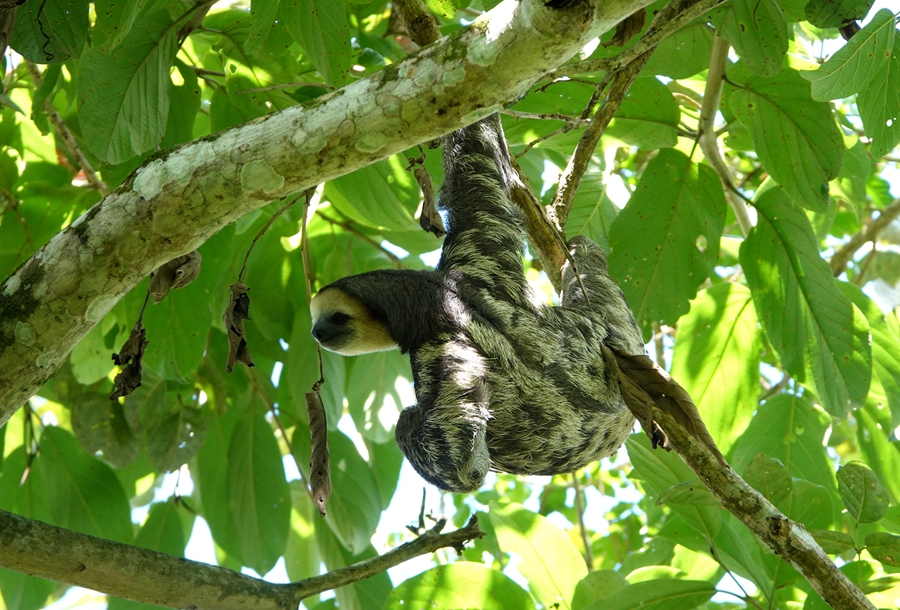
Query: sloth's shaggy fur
{"type": "Point", "coordinates": [503, 382]}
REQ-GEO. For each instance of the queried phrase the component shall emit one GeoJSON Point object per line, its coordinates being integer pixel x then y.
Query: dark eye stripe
{"type": "Point", "coordinates": [339, 318]}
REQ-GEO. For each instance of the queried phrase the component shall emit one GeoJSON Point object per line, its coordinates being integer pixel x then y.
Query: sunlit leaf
{"type": "Point", "coordinates": [879, 106]}
{"type": "Point", "coordinates": [862, 493]}
{"type": "Point", "coordinates": [659, 594]}
{"type": "Point", "coordinates": [461, 584]}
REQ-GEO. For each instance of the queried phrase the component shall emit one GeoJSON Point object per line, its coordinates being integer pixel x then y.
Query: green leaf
{"type": "Point", "coordinates": [383, 194]}
{"type": "Point", "coordinates": [796, 138]}
{"type": "Point", "coordinates": [24, 592]}
{"type": "Point", "coordinates": [716, 359]}
{"type": "Point", "coordinates": [884, 547]}
{"type": "Point", "coordinates": [833, 543]}
{"type": "Point", "coordinates": [124, 93]}
{"type": "Point", "coordinates": [103, 425]}
{"type": "Point", "coordinates": [820, 336]}
{"type": "Point", "coordinates": [592, 212]}
{"type": "Point", "coordinates": [462, 584]}
{"type": "Point", "coordinates": [363, 595]}
{"type": "Point", "coordinates": [301, 556]}
{"type": "Point", "coordinates": [863, 496]}
{"type": "Point", "coordinates": [857, 62]}
{"type": "Point", "coordinates": [689, 492]}
{"type": "Point", "coordinates": [597, 585]}
{"type": "Point", "coordinates": [789, 429]}
{"type": "Point", "coordinates": [50, 31]}
{"type": "Point", "coordinates": [91, 360]}
{"type": "Point", "coordinates": [648, 116]}
{"type": "Point", "coordinates": [878, 450]}
{"type": "Point", "coordinates": [320, 27]}
{"type": "Point", "coordinates": [186, 99]}
{"type": "Point", "coordinates": [258, 493]}
{"type": "Point", "coordinates": [879, 106]}
{"type": "Point", "coordinates": [836, 13]}
{"type": "Point", "coordinates": [82, 492]}
{"type": "Point", "coordinates": [378, 388]}
{"type": "Point", "coordinates": [666, 240]}
{"type": "Point", "coordinates": [683, 54]}
{"type": "Point", "coordinates": [758, 31]}
{"type": "Point", "coordinates": [811, 505]}
{"type": "Point", "coordinates": [114, 21]}
{"type": "Point", "coordinates": [177, 329]}
{"type": "Point", "coordinates": [175, 437]}
{"type": "Point", "coordinates": [550, 562]}
{"type": "Point", "coordinates": [770, 478]}
{"type": "Point", "coordinates": [354, 516]}
{"type": "Point", "coordinates": [658, 594]}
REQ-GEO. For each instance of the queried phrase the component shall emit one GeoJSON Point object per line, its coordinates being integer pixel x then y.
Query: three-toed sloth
{"type": "Point", "coordinates": [503, 381]}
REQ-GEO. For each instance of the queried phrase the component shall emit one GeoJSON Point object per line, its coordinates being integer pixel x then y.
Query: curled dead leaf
{"type": "Point", "coordinates": [177, 273]}
{"type": "Point", "coordinates": [129, 358]}
{"type": "Point", "coordinates": [430, 219]}
{"type": "Point", "coordinates": [237, 311]}
{"type": "Point", "coordinates": [319, 465]}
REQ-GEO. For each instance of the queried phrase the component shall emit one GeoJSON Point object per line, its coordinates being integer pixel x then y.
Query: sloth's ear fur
{"type": "Point", "coordinates": [343, 324]}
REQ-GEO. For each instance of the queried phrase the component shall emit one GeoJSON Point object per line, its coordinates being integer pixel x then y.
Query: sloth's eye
{"type": "Point", "coordinates": [339, 318]}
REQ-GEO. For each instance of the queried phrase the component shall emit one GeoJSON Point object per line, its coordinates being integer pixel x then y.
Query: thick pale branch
{"type": "Point", "coordinates": [147, 576]}
{"type": "Point", "coordinates": [179, 199]}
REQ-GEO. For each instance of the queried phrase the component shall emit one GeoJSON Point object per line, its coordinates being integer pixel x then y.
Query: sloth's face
{"type": "Point", "coordinates": [344, 325]}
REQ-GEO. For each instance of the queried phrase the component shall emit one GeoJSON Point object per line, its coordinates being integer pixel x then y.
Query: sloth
{"type": "Point", "coordinates": [503, 382]}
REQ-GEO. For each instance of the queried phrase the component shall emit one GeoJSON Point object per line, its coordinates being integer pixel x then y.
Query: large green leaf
{"type": "Point", "coordinates": [124, 93]}
{"type": "Point", "coordinates": [107, 426]}
{"type": "Point", "coordinates": [362, 595]}
{"type": "Point", "coordinates": [796, 138]}
{"type": "Point", "coordinates": [658, 594]}
{"type": "Point", "coordinates": [857, 62]}
{"type": "Point", "coordinates": [592, 212]}
{"type": "Point", "coordinates": [114, 21]}
{"type": "Point", "coordinates": [836, 13]}
{"type": "Point", "coordinates": [50, 31]}
{"type": "Point", "coordinates": [789, 429]}
{"type": "Point", "coordinates": [258, 494]}
{"type": "Point", "coordinates": [320, 27]}
{"type": "Point", "coordinates": [82, 492]}
{"type": "Point", "coordinates": [177, 329]}
{"type": "Point", "coordinates": [462, 584]}
{"type": "Point", "coordinates": [716, 359]}
{"type": "Point", "coordinates": [683, 54]}
{"type": "Point", "coordinates": [666, 240]}
{"type": "Point", "coordinates": [301, 556]}
{"type": "Point", "coordinates": [648, 116]}
{"type": "Point", "coordinates": [884, 547]}
{"type": "Point", "coordinates": [820, 336]}
{"type": "Point", "coordinates": [378, 388]}
{"type": "Point", "coordinates": [758, 31]}
{"type": "Point", "coordinates": [879, 452]}
{"type": "Point", "coordinates": [383, 194]}
{"type": "Point", "coordinates": [550, 562]}
{"type": "Point", "coordinates": [879, 106]}
{"type": "Point", "coordinates": [861, 491]}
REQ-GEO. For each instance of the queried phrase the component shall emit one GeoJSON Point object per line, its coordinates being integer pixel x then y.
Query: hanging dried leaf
{"type": "Point", "coordinates": [177, 273]}
{"type": "Point", "coordinates": [237, 311]}
{"type": "Point", "coordinates": [630, 26]}
{"type": "Point", "coordinates": [129, 358]}
{"type": "Point", "coordinates": [430, 219]}
{"type": "Point", "coordinates": [319, 467]}
{"type": "Point", "coordinates": [655, 383]}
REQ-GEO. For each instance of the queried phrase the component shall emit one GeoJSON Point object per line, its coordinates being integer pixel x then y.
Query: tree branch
{"type": "Point", "coordinates": [147, 576]}
{"type": "Point", "coordinates": [788, 539]}
{"type": "Point", "coordinates": [180, 198]}
{"type": "Point", "coordinates": [868, 233]}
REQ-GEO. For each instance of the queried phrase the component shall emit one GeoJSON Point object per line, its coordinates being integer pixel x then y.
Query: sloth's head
{"type": "Point", "coordinates": [342, 323]}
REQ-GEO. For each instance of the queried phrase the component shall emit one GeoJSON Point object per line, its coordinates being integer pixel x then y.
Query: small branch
{"type": "Point", "coordinates": [709, 143]}
{"type": "Point", "coordinates": [552, 116]}
{"type": "Point", "coordinates": [66, 136]}
{"type": "Point", "coordinates": [585, 536]}
{"type": "Point", "coordinates": [47, 551]}
{"type": "Point", "coordinates": [421, 26]}
{"type": "Point", "coordinates": [262, 232]}
{"type": "Point", "coordinates": [571, 177]}
{"type": "Point", "coordinates": [868, 233]}
{"type": "Point", "coordinates": [786, 538]}
{"type": "Point", "coordinates": [286, 86]}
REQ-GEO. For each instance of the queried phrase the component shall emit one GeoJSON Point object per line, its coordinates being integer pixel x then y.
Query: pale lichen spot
{"type": "Point", "coordinates": [25, 333]}
{"type": "Point", "coordinates": [149, 181]}
{"type": "Point", "coordinates": [12, 284]}
{"type": "Point", "coordinates": [454, 76]}
{"type": "Point", "coordinates": [48, 360]}
{"type": "Point", "coordinates": [308, 143]}
{"type": "Point", "coordinates": [371, 142]}
{"type": "Point", "coordinates": [258, 175]}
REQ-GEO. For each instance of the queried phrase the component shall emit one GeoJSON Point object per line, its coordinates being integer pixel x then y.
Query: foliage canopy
{"type": "Point", "coordinates": [794, 362]}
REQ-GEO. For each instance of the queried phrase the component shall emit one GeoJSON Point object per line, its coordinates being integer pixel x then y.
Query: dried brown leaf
{"type": "Point", "coordinates": [129, 358]}
{"type": "Point", "coordinates": [430, 219]}
{"type": "Point", "coordinates": [627, 28]}
{"type": "Point", "coordinates": [177, 273]}
{"type": "Point", "coordinates": [319, 466]}
{"type": "Point", "coordinates": [237, 311]}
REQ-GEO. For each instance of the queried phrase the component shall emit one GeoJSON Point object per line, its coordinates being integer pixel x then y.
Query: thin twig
{"type": "Point", "coordinates": [868, 233]}
{"type": "Point", "coordinates": [286, 86]}
{"type": "Point", "coordinates": [585, 536]}
{"type": "Point", "coordinates": [550, 116]}
{"type": "Point", "coordinates": [262, 232]}
{"type": "Point", "coordinates": [348, 226]}
{"type": "Point", "coordinates": [307, 272]}
{"type": "Point", "coordinates": [66, 136]}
